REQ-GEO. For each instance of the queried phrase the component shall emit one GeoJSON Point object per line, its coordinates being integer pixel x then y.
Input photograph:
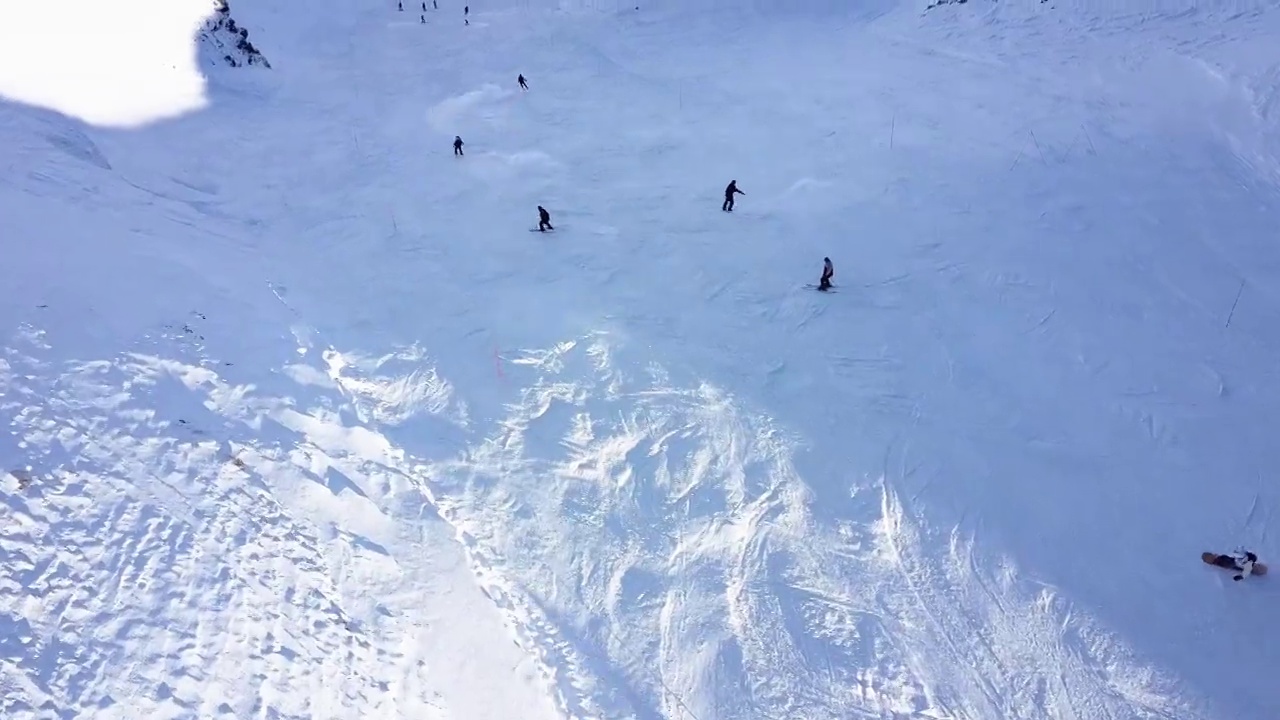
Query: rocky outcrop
{"type": "Point", "coordinates": [226, 42]}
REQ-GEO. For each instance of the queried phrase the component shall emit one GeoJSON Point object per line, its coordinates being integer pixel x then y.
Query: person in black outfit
{"type": "Point", "coordinates": [523, 85]}
{"type": "Point", "coordinates": [457, 145]}
{"type": "Point", "coordinates": [828, 272]}
{"type": "Point", "coordinates": [544, 219]}
{"type": "Point", "coordinates": [729, 192]}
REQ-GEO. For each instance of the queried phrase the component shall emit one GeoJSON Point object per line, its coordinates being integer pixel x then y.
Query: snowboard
{"type": "Point", "coordinates": [819, 289]}
{"type": "Point", "coordinates": [1225, 561]}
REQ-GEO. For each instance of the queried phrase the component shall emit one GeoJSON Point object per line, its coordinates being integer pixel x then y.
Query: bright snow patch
{"type": "Point", "coordinates": [119, 64]}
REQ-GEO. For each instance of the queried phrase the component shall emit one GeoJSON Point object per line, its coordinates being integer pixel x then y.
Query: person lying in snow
{"type": "Point", "coordinates": [1244, 563]}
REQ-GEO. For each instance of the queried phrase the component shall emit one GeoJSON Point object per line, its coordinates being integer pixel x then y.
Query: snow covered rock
{"type": "Point", "coordinates": [227, 42]}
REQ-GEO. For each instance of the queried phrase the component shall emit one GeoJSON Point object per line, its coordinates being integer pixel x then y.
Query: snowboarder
{"type": "Point", "coordinates": [457, 144]}
{"type": "Point", "coordinates": [422, 19]}
{"type": "Point", "coordinates": [1245, 563]}
{"type": "Point", "coordinates": [729, 192]}
{"type": "Point", "coordinates": [400, 5]}
{"type": "Point", "coordinates": [523, 85]}
{"type": "Point", "coordinates": [544, 219]}
{"type": "Point", "coordinates": [828, 272]}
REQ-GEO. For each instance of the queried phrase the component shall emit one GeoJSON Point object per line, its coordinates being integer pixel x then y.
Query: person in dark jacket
{"type": "Point", "coordinates": [729, 192]}
{"type": "Point", "coordinates": [523, 85]}
{"type": "Point", "coordinates": [544, 219]}
{"type": "Point", "coordinates": [828, 272]}
{"type": "Point", "coordinates": [457, 145]}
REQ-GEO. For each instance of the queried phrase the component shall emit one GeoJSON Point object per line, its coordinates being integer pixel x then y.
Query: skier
{"type": "Point", "coordinates": [544, 219]}
{"type": "Point", "coordinates": [466, 11]}
{"type": "Point", "coordinates": [457, 144]}
{"type": "Point", "coordinates": [828, 272]}
{"type": "Point", "coordinates": [523, 85]}
{"type": "Point", "coordinates": [434, 6]}
{"type": "Point", "coordinates": [400, 6]}
{"type": "Point", "coordinates": [728, 195]}
{"type": "Point", "coordinates": [424, 5]}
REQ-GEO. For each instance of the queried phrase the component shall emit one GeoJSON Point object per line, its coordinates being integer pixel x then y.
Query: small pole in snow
{"type": "Point", "coordinates": [1037, 142]}
{"type": "Point", "coordinates": [1090, 139]}
{"type": "Point", "coordinates": [1233, 305]}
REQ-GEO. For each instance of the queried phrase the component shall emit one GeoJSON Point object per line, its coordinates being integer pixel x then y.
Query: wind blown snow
{"type": "Point", "coordinates": [305, 422]}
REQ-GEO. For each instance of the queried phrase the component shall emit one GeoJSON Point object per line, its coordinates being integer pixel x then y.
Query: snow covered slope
{"type": "Point", "coordinates": [305, 423]}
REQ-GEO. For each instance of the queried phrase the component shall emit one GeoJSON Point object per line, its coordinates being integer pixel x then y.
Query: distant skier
{"type": "Point", "coordinates": [544, 219]}
{"type": "Point", "coordinates": [729, 192]}
{"type": "Point", "coordinates": [828, 272]}
{"type": "Point", "coordinates": [434, 6]}
{"type": "Point", "coordinates": [523, 85]}
{"type": "Point", "coordinates": [466, 11]}
{"type": "Point", "coordinates": [457, 144]}
{"type": "Point", "coordinates": [424, 5]}
{"type": "Point", "coordinates": [422, 19]}
{"type": "Point", "coordinates": [400, 6]}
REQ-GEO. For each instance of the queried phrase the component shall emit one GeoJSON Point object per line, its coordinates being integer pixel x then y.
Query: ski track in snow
{"type": "Point", "coordinates": [432, 470]}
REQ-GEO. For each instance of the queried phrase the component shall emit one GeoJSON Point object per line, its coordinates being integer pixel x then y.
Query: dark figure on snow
{"type": "Point", "coordinates": [434, 6]}
{"type": "Point", "coordinates": [729, 192]}
{"type": "Point", "coordinates": [400, 6]}
{"type": "Point", "coordinates": [422, 19]}
{"type": "Point", "coordinates": [828, 272]}
{"type": "Point", "coordinates": [424, 5]}
{"type": "Point", "coordinates": [544, 219]}
{"type": "Point", "coordinates": [523, 85]}
{"type": "Point", "coordinates": [457, 145]}
{"type": "Point", "coordinates": [466, 10]}
{"type": "Point", "coordinates": [1241, 560]}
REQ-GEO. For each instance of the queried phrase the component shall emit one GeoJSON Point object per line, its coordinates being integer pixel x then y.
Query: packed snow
{"type": "Point", "coordinates": [307, 420]}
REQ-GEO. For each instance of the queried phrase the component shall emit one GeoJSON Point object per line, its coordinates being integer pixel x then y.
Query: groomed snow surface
{"type": "Point", "coordinates": [304, 422]}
